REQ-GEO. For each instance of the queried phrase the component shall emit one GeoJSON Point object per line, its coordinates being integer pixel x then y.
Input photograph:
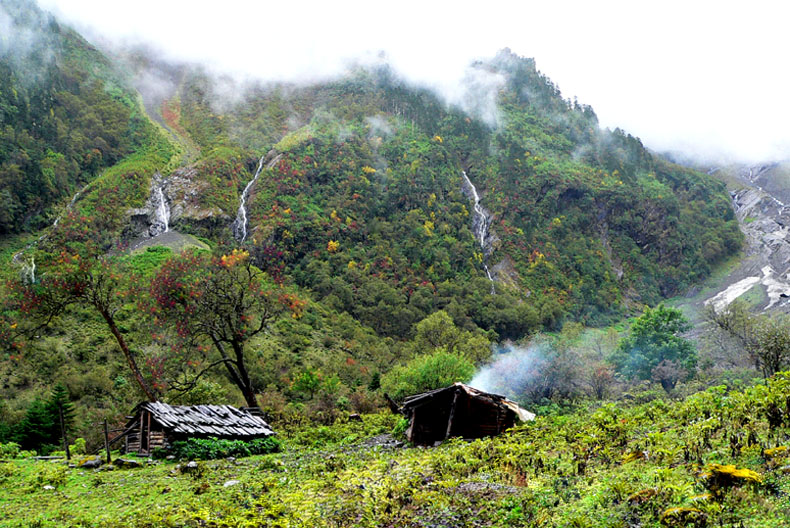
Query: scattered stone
{"type": "Point", "coordinates": [684, 517]}
{"type": "Point", "coordinates": [642, 496]}
{"type": "Point", "coordinates": [384, 441]}
{"type": "Point", "coordinates": [192, 468]}
{"type": "Point", "coordinates": [776, 452]}
{"type": "Point", "coordinates": [231, 483]}
{"type": "Point", "coordinates": [48, 487]}
{"type": "Point", "coordinates": [126, 463]}
{"type": "Point", "coordinates": [231, 459]}
{"type": "Point", "coordinates": [90, 462]}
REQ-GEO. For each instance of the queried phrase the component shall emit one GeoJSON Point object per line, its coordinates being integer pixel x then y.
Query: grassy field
{"type": "Point", "coordinates": [620, 464]}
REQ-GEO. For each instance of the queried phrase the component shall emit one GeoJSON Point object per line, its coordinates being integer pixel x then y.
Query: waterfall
{"type": "Point", "coordinates": [28, 272]}
{"type": "Point", "coordinates": [161, 222]}
{"type": "Point", "coordinates": [240, 224]}
{"type": "Point", "coordinates": [69, 206]}
{"type": "Point", "coordinates": [481, 222]}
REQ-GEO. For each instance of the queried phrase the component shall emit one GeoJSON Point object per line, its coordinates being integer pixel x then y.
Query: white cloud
{"type": "Point", "coordinates": [707, 78]}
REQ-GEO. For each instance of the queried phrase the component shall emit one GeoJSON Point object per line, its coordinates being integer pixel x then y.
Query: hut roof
{"type": "Point", "coordinates": [415, 401]}
{"type": "Point", "coordinates": [210, 420]}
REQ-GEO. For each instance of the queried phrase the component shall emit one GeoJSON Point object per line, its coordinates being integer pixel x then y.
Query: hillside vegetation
{"type": "Point", "coordinates": [364, 270]}
{"type": "Point", "coordinates": [719, 458]}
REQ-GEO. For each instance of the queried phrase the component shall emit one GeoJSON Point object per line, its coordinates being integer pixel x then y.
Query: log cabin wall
{"type": "Point", "coordinates": [456, 411]}
{"type": "Point", "coordinates": [146, 436]}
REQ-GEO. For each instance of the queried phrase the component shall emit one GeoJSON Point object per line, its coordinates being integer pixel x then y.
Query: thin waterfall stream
{"type": "Point", "coordinates": [240, 224]}
{"type": "Point", "coordinates": [161, 222]}
{"type": "Point", "coordinates": [481, 221]}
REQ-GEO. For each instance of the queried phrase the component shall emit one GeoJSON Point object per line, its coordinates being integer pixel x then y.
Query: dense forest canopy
{"type": "Point", "coordinates": [361, 212]}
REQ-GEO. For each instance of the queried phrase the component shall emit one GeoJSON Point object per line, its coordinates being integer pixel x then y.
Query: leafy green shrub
{"type": "Point", "coordinates": [51, 475]}
{"type": "Point", "coordinates": [399, 430]}
{"type": "Point", "coordinates": [7, 471]}
{"type": "Point", "coordinates": [210, 448]}
{"type": "Point", "coordinates": [79, 446]}
{"type": "Point", "coordinates": [9, 450]}
{"type": "Point", "coordinates": [423, 373]}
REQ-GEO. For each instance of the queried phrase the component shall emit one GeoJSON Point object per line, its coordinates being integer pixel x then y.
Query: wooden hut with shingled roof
{"type": "Point", "coordinates": [157, 425]}
{"type": "Point", "coordinates": [459, 410]}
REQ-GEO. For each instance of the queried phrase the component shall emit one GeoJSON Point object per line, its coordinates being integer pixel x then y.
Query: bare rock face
{"type": "Point", "coordinates": [765, 220]}
{"type": "Point", "coordinates": [185, 192]}
{"type": "Point", "coordinates": [172, 200]}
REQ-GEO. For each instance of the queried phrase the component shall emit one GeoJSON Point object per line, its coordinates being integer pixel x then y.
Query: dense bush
{"type": "Point", "coordinates": [654, 348]}
{"type": "Point", "coordinates": [210, 448]}
{"type": "Point", "coordinates": [427, 372]}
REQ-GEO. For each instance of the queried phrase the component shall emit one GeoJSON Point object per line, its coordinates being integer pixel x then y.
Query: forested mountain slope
{"type": "Point", "coordinates": [66, 115]}
{"type": "Point", "coordinates": [364, 207]}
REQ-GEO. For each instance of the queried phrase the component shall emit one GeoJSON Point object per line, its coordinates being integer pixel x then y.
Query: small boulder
{"type": "Point", "coordinates": [684, 517]}
{"type": "Point", "coordinates": [90, 462]}
{"type": "Point", "coordinates": [48, 487]}
{"type": "Point", "coordinates": [230, 483]}
{"type": "Point", "coordinates": [127, 463]}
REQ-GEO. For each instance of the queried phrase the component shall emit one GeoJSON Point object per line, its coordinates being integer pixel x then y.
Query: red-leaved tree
{"type": "Point", "coordinates": [211, 306]}
{"type": "Point", "coordinates": [72, 270]}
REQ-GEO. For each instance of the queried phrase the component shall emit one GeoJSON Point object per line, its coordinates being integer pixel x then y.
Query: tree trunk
{"type": "Point", "coordinates": [239, 374]}
{"type": "Point", "coordinates": [246, 383]}
{"type": "Point", "coordinates": [129, 357]}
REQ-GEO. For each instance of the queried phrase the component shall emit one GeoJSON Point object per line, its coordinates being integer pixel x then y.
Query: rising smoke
{"type": "Point", "coordinates": [518, 372]}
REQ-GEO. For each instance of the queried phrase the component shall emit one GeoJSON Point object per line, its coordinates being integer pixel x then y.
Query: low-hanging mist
{"type": "Point", "coordinates": [715, 91]}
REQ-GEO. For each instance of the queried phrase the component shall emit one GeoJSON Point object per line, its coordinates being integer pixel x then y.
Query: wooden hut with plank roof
{"type": "Point", "coordinates": [157, 425]}
{"type": "Point", "coordinates": [459, 410]}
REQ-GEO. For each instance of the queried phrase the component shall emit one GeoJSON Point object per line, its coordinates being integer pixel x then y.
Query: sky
{"type": "Point", "coordinates": [706, 79]}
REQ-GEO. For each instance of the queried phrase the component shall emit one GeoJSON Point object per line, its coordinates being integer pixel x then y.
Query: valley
{"type": "Point", "coordinates": [317, 251]}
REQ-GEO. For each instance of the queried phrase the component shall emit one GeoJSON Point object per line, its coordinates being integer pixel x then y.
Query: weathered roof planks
{"type": "Point", "coordinates": [205, 420]}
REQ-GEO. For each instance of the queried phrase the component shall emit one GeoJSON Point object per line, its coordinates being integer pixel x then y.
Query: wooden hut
{"type": "Point", "coordinates": [156, 425]}
{"type": "Point", "coordinates": [459, 410]}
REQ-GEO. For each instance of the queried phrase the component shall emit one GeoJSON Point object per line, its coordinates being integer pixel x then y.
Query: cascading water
{"type": "Point", "coordinates": [69, 206]}
{"type": "Point", "coordinates": [161, 223]}
{"type": "Point", "coordinates": [480, 225]}
{"type": "Point", "coordinates": [240, 224]}
{"type": "Point", "coordinates": [28, 269]}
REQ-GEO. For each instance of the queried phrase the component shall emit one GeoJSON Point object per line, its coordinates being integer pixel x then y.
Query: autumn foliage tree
{"type": "Point", "coordinates": [73, 270]}
{"type": "Point", "coordinates": [213, 306]}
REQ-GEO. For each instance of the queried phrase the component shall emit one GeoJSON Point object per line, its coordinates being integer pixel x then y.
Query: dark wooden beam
{"type": "Point", "coordinates": [452, 415]}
